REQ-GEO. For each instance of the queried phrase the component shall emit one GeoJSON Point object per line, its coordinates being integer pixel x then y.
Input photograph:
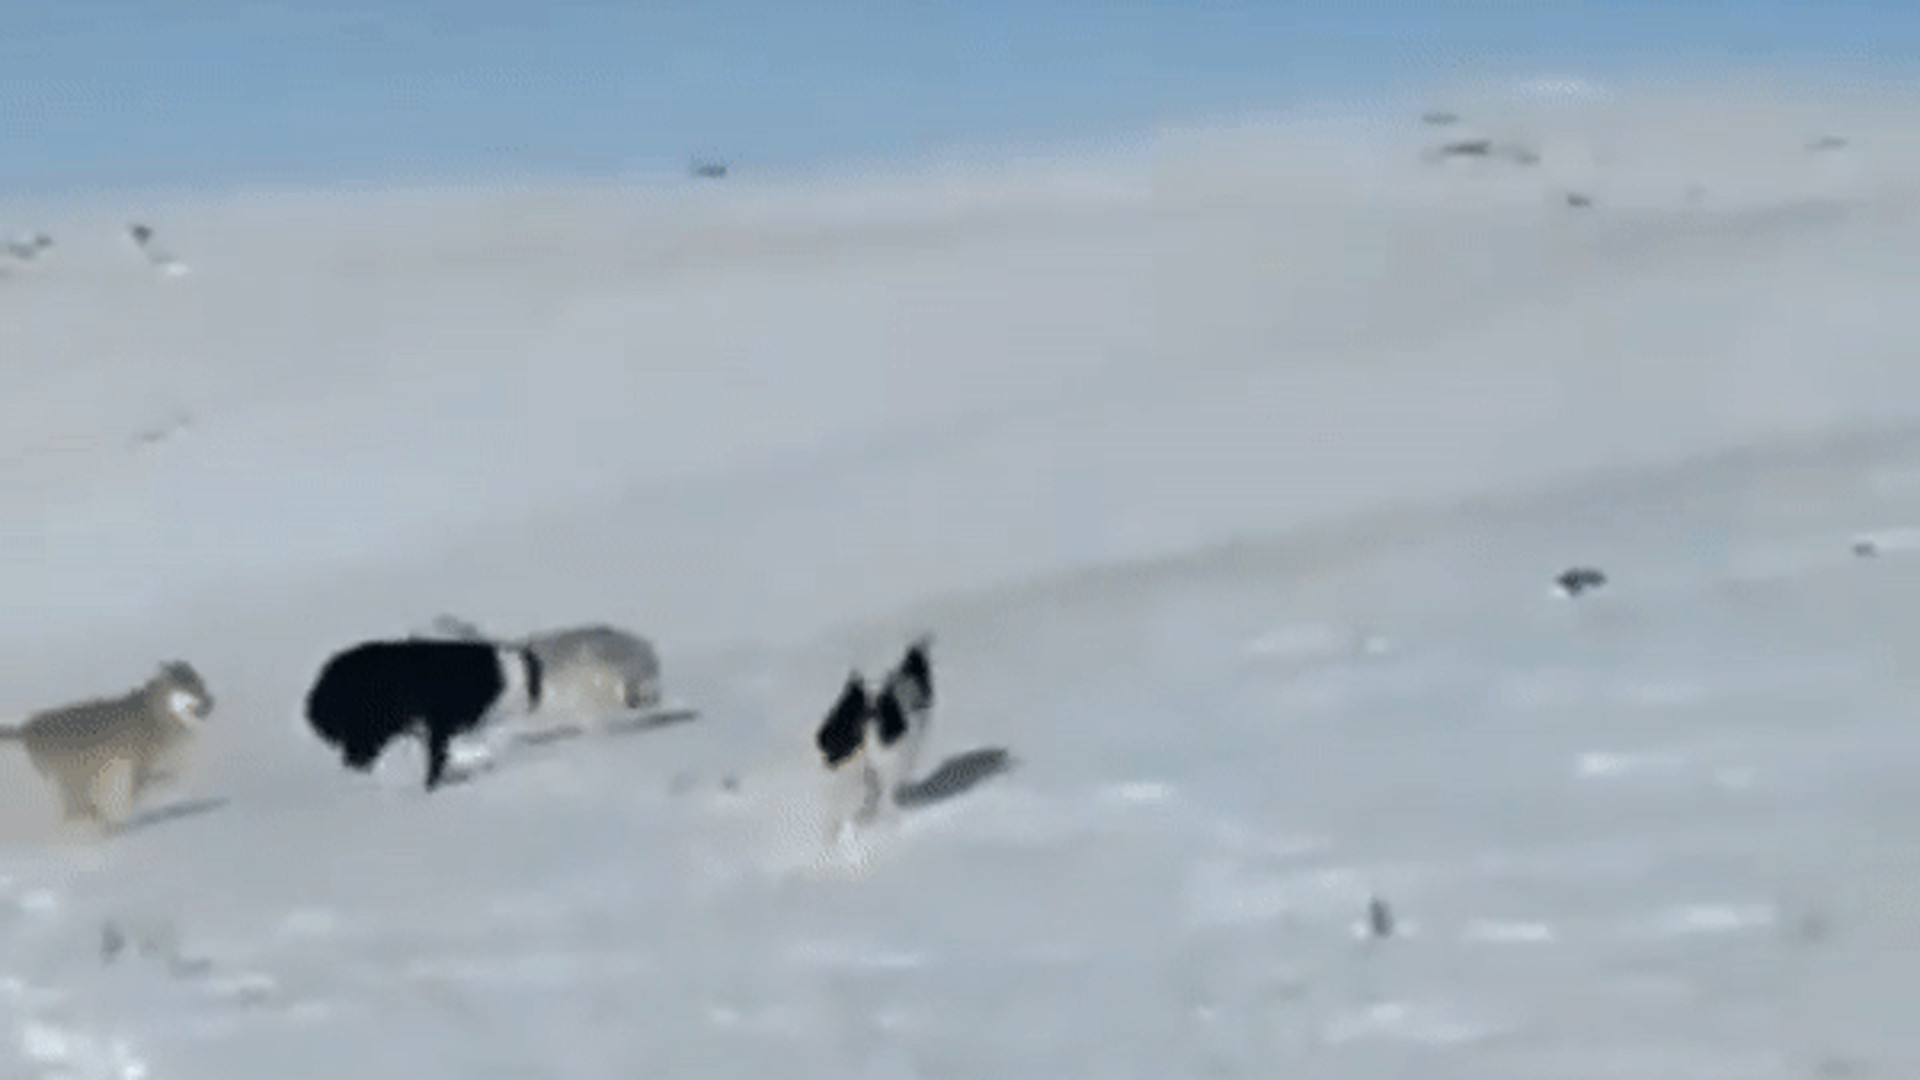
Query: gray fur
{"type": "Point", "coordinates": [102, 755]}
{"type": "Point", "coordinates": [628, 662]}
{"type": "Point", "coordinates": [595, 668]}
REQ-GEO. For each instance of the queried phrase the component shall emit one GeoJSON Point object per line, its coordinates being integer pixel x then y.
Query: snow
{"type": "Point", "coordinates": [1231, 474]}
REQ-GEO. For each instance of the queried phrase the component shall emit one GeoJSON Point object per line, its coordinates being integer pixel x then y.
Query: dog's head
{"type": "Point", "coordinates": [347, 705]}
{"type": "Point", "coordinates": [186, 693]}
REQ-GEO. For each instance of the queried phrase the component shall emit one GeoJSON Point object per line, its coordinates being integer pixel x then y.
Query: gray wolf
{"type": "Point", "coordinates": [102, 755]}
{"type": "Point", "coordinates": [589, 670]}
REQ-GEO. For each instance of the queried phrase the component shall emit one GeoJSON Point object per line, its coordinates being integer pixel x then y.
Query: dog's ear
{"type": "Point", "coordinates": [890, 716]}
{"type": "Point", "coordinates": [844, 729]}
{"type": "Point", "coordinates": [536, 673]}
{"type": "Point", "coordinates": [915, 671]}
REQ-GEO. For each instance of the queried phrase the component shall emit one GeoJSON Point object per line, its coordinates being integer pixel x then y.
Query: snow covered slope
{"type": "Point", "coordinates": [1230, 478]}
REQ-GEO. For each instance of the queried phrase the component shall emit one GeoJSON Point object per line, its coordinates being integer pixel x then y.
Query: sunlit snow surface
{"type": "Point", "coordinates": [1665, 830]}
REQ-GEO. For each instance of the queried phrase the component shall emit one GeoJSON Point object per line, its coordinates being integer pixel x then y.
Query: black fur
{"type": "Point", "coordinates": [841, 733]}
{"type": "Point", "coordinates": [535, 672]}
{"type": "Point", "coordinates": [908, 689]}
{"type": "Point", "coordinates": [378, 691]}
{"type": "Point", "coordinates": [889, 718]}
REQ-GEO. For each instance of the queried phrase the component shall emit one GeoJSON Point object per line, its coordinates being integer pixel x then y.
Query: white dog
{"type": "Point", "coordinates": [871, 743]}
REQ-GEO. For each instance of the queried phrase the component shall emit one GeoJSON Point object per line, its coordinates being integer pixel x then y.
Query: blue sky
{"type": "Point", "coordinates": [136, 93]}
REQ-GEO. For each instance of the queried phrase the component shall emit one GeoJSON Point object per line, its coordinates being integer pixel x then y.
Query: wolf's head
{"type": "Point", "coordinates": [184, 692]}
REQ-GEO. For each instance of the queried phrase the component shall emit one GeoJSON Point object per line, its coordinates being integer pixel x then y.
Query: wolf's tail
{"type": "Point", "coordinates": [13, 731]}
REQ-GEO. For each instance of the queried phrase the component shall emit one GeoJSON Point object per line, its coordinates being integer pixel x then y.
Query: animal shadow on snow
{"type": "Point", "coordinates": [458, 775]}
{"type": "Point", "coordinates": [651, 719]}
{"type": "Point", "coordinates": [956, 776]}
{"type": "Point", "coordinates": [160, 815]}
{"type": "Point", "coordinates": [623, 724]}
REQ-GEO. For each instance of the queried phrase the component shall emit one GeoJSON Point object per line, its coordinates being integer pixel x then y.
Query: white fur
{"type": "Point", "coordinates": [864, 788]}
{"type": "Point", "coordinates": [854, 794]}
{"type": "Point", "coordinates": [184, 705]}
{"type": "Point", "coordinates": [906, 753]}
{"type": "Point", "coordinates": [894, 766]}
{"type": "Point", "coordinates": [885, 768]}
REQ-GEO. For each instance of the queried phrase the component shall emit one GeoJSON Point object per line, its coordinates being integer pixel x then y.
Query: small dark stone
{"type": "Point", "coordinates": [1578, 579]}
{"type": "Point", "coordinates": [182, 968]}
{"type": "Point", "coordinates": [1812, 928]}
{"type": "Point", "coordinates": [112, 941]}
{"type": "Point", "coordinates": [1574, 198]}
{"type": "Point", "coordinates": [1833, 1067]}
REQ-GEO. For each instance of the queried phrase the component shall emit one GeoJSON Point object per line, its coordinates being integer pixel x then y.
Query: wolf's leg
{"type": "Point", "coordinates": [643, 693]}
{"type": "Point", "coordinates": [113, 793]}
{"type": "Point", "coordinates": [149, 774]}
{"type": "Point", "coordinates": [73, 800]}
{"type": "Point", "coordinates": [155, 776]}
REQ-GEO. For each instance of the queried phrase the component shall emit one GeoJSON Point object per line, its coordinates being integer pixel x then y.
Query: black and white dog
{"type": "Point", "coordinates": [875, 739]}
{"type": "Point", "coordinates": [378, 691]}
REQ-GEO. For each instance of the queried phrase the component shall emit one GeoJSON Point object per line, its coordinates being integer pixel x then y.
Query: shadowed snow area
{"type": "Point", "coordinates": [1231, 474]}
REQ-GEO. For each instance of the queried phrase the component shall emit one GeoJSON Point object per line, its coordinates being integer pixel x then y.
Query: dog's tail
{"type": "Point", "coordinates": [15, 732]}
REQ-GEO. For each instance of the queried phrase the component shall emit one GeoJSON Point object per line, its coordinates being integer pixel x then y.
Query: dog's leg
{"type": "Point", "coordinates": [873, 791]}
{"type": "Point", "coordinates": [844, 796]}
{"type": "Point", "coordinates": [907, 758]}
{"type": "Point", "coordinates": [436, 758]}
{"type": "Point", "coordinates": [484, 753]}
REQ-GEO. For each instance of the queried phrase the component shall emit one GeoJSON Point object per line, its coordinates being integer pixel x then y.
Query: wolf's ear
{"type": "Point", "coordinates": [456, 628]}
{"type": "Point", "coordinates": [844, 729]}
